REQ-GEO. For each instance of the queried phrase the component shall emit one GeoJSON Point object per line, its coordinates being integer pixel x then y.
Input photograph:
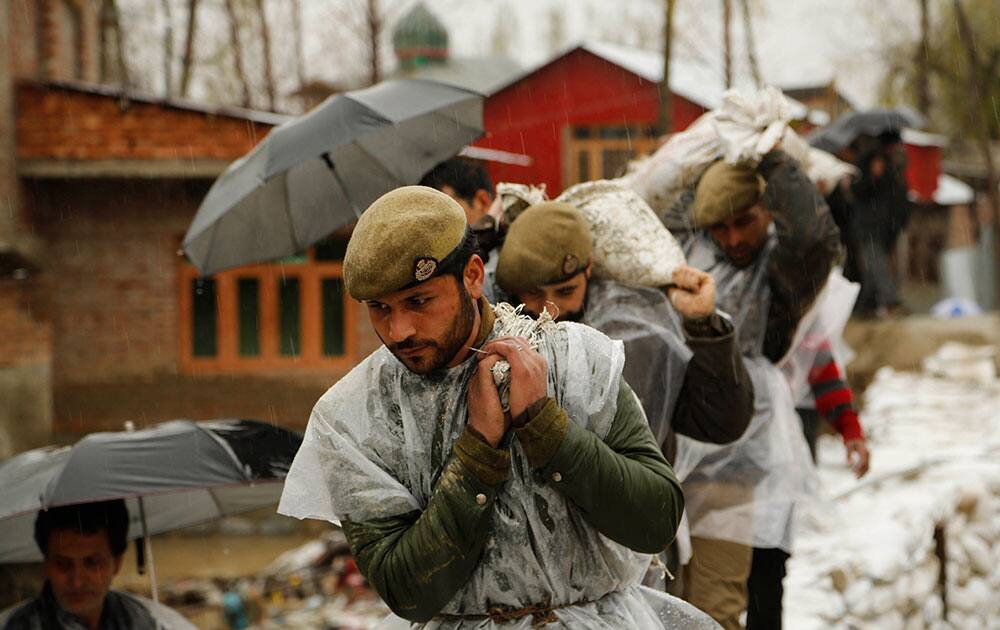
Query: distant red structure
{"type": "Point", "coordinates": [923, 168]}
{"type": "Point", "coordinates": [580, 116]}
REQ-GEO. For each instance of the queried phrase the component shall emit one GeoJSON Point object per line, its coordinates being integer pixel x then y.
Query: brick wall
{"type": "Point", "coordinates": [25, 368]}
{"type": "Point", "coordinates": [111, 278]}
{"type": "Point", "coordinates": [23, 22]}
{"type": "Point", "coordinates": [26, 336]}
{"type": "Point", "coordinates": [64, 124]}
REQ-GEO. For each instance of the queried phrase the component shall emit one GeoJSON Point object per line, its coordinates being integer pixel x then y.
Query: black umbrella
{"type": "Point", "coordinates": [173, 475]}
{"type": "Point", "coordinates": [839, 134]}
{"type": "Point", "coordinates": [316, 173]}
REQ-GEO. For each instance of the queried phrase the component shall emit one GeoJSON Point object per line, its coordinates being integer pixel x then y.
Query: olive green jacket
{"type": "Point", "coordinates": [622, 486]}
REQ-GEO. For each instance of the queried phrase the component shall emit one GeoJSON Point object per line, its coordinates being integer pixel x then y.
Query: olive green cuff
{"type": "Point", "coordinates": [711, 327]}
{"type": "Point", "coordinates": [541, 436]}
{"type": "Point", "coordinates": [490, 465]}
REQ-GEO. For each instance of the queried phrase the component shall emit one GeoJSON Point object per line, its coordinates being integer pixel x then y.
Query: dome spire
{"type": "Point", "coordinates": [419, 38]}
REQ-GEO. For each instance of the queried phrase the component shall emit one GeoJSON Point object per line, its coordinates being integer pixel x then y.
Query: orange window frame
{"type": "Point", "coordinates": [638, 143]}
{"type": "Point", "coordinates": [227, 359]}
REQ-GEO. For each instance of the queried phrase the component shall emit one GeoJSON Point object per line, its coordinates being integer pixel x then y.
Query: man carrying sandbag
{"type": "Point", "coordinates": [767, 238]}
{"type": "Point", "coordinates": [683, 362]}
{"type": "Point", "coordinates": [463, 511]}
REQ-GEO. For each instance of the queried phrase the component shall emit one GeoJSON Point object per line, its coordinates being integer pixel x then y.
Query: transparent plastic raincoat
{"type": "Point", "coordinates": [750, 491]}
{"type": "Point", "coordinates": [377, 441]}
{"type": "Point", "coordinates": [654, 343]}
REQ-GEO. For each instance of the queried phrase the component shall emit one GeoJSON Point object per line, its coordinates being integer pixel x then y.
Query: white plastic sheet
{"type": "Point", "coordinates": [377, 440]}
{"type": "Point", "coordinates": [748, 491]}
{"type": "Point", "coordinates": [823, 323]}
{"type": "Point", "coordinates": [656, 352]}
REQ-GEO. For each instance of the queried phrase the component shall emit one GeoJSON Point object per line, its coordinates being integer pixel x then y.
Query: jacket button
{"type": "Point", "coordinates": [557, 477]}
{"type": "Point", "coordinates": [481, 499]}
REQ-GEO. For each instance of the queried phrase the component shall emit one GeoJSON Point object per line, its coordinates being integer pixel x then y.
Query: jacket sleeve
{"type": "Point", "coordinates": [808, 247]}
{"type": "Point", "coordinates": [716, 401]}
{"type": "Point", "coordinates": [622, 485]}
{"type": "Point", "coordinates": [417, 561]}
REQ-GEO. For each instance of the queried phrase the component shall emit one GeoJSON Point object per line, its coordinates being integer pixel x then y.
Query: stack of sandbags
{"type": "Point", "coordinates": [886, 572]}
{"type": "Point", "coordinates": [973, 557]}
{"type": "Point", "coordinates": [870, 560]}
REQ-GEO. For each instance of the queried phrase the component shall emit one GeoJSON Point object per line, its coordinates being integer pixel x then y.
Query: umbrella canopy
{"type": "Point", "coordinates": [185, 472]}
{"type": "Point", "coordinates": [873, 122]}
{"type": "Point", "coordinates": [316, 173]}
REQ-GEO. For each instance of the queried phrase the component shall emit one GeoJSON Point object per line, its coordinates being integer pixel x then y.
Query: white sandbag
{"type": "Point", "coordinates": [858, 597]}
{"type": "Point", "coordinates": [915, 622]}
{"type": "Point", "coordinates": [882, 599]}
{"type": "Point", "coordinates": [980, 558]}
{"type": "Point", "coordinates": [932, 609]}
{"type": "Point", "coordinates": [924, 579]}
{"type": "Point", "coordinates": [631, 245]}
{"type": "Point", "coordinates": [513, 199]}
{"type": "Point", "coordinates": [975, 597]}
{"type": "Point", "coordinates": [742, 130]}
{"type": "Point", "coordinates": [890, 620]}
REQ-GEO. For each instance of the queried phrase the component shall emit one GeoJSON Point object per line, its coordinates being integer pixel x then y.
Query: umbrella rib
{"type": "Point", "coordinates": [288, 215]}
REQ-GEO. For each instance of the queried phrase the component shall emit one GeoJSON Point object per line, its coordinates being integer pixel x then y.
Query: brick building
{"type": "Point", "coordinates": [101, 320]}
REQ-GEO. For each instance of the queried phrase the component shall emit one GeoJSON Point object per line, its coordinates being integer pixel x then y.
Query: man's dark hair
{"type": "Point", "coordinates": [85, 518]}
{"type": "Point", "coordinates": [465, 177]}
{"type": "Point", "coordinates": [455, 262]}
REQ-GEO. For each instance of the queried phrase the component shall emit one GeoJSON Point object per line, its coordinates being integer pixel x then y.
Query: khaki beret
{"type": "Point", "coordinates": [724, 191]}
{"type": "Point", "coordinates": [401, 240]}
{"type": "Point", "coordinates": [548, 243]}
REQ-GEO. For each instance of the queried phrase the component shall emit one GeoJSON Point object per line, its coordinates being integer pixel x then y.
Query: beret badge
{"type": "Point", "coordinates": [424, 268]}
{"type": "Point", "coordinates": [570, 264]}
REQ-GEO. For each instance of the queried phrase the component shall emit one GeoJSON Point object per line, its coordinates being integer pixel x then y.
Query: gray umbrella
{"type": "Point", "coordinates": [173, 475]}
{"type": "Point", "coordinates": [316, 173]}
{"type": "Point", "coordinates": [839, 134]}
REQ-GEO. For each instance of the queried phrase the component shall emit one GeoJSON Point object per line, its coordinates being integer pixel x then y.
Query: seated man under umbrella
{"type": "Point", "coordinates": [83, 546]}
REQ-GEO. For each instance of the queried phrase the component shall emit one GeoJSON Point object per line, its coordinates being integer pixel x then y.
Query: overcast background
{"type": "Point", "coordinates": [799, 42]}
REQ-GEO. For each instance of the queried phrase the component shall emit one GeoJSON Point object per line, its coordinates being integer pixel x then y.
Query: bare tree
{"type": "Point", "coordinates": [727, 41]}
{"type": "Point", "coordinates": [556, 29]}
{"type": "Point", "coordinates": [265, 40]}
{"type": "Point", "coordinates": [300, 70]}
{"type": "Point", "coordinates": [505, 30]}
{"type": "Point", "coordinates": [922, 65]}
{"type": "Point", "coordinates": [375, 23]}
{"type": "Point", "coordinates": [665, 123]}
{"type": "Point", "coordinates": [751, 48]}
{"type": "Point", "coordinates": [190, 32]}
{"type": "Point", "coordinates": [237, 48]}
{"type": "Point", "coordinates": [168, 48]}
{"type": "Point", "coordinates": [112, 22]}
{"type": "Point", "coordinates": [977, 70]}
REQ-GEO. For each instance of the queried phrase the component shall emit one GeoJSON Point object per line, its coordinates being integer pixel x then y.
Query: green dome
{"type": "Point", "coordinates": [420, 37]}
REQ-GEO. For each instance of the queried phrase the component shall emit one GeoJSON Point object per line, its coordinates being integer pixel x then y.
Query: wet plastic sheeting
{"type": "Point", "coordinates": [379, 438]}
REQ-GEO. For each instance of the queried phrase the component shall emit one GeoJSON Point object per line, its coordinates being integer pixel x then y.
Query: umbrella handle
{"type": "Point", "coordinates": [140, 556]}
{"type": "Point", "coordinates": [343, 186]}
{"type": "Point", "coordinates": [148, 552]}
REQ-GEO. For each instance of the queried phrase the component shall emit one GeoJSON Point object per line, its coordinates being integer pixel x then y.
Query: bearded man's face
{"type": "Point", "coordinates": [564, 300]}
{"type": "Point", "coordinates": [427, 326]}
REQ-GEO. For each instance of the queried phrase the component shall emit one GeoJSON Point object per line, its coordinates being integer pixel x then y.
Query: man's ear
{"type": "Point", "coordinates": [117, 564]}
{"type": "Point", "coordinates": [482, 201]}
{"type": "Point", "coordinates": [474, 276]}
{"type": "Point", "coordinates": [589, 268]}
